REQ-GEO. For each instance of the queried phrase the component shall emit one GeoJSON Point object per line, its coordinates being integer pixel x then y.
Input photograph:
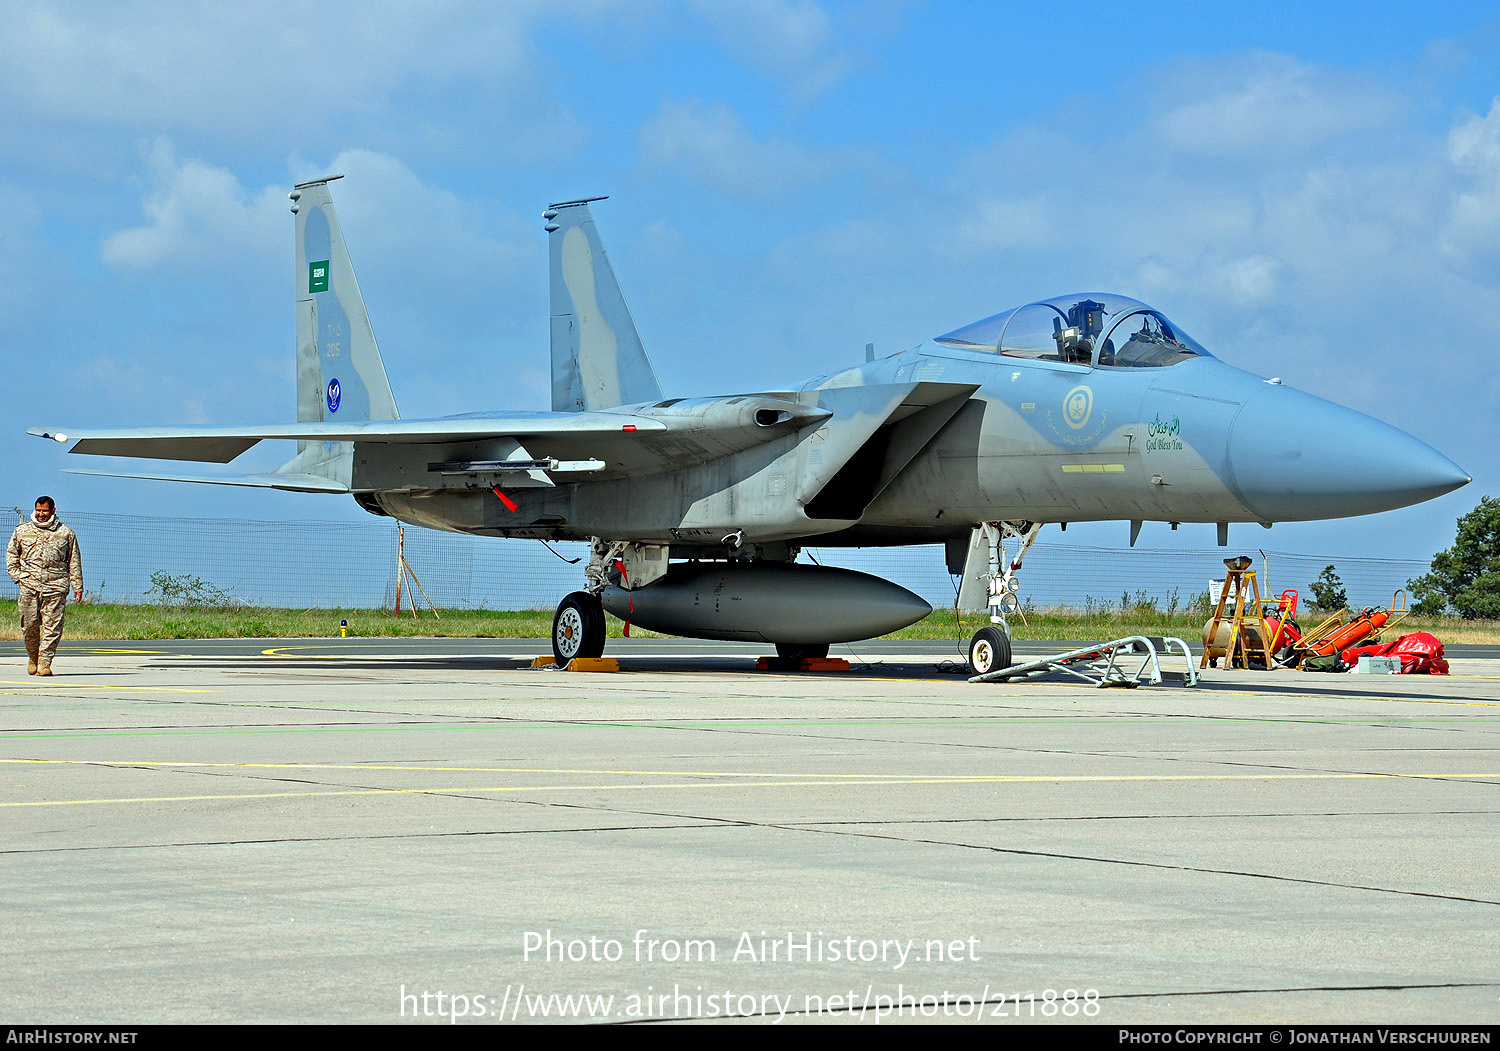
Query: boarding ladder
{"type": "Point", "coordinates": [1123, 662]}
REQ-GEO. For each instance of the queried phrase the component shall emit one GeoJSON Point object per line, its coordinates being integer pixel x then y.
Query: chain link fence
{"type": "Point", "coordinates": [353, 565]}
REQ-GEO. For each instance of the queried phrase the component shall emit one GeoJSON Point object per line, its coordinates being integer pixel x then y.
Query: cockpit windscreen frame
{"type": "Point", "coordinates": [1088, 329]}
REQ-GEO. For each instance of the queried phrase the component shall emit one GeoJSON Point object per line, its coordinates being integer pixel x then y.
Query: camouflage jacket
{"type": "Point", "coordinates": [45, 559]}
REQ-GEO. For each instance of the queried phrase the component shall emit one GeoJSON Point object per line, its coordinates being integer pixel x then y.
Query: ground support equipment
{"type": "Point", "coordinates": [1109, 663]}
{"type": "Point", "coordinates": [592, 664]}
{"type": "Point", "coordinates": [1248, 630]}
{"type": "Point", "coordinates": [1335, 635]}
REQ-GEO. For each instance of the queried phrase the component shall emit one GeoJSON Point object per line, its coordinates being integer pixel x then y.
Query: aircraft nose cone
{"type": "Point", "coordinates": [1297, 457]}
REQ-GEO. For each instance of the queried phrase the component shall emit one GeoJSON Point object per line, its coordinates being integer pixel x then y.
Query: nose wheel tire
{"type": "Point", "coordinates": [578, 628]}
{"type": "Point", "coordinates": [989, 650]}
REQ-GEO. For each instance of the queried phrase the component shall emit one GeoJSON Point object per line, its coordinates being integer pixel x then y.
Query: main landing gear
{"type": "Point", "coordinates": [578, 628]}
{"type": "Point", "coordinates": [578, 625]}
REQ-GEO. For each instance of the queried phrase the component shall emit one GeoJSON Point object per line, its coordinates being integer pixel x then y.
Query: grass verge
{"type": "Point", "coordinates": [110, 621]}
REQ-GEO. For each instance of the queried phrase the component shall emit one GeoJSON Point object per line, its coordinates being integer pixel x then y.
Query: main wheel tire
{"type": "Point", "coordinates": [989, 650]}
{"type": "Point", "coordinates": [578, 628]}
{"type": "Point", "coordinates": [796, 651]}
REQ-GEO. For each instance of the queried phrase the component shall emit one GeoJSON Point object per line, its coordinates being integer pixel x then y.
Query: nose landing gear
{"type": "Point", "coordinates": [989, 584]}
{"type": "Point", "coordinates": [989, 650]}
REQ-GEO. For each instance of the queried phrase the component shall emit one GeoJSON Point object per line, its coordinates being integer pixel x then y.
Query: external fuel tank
{"type": "Point", "coordinates": [776, 602]}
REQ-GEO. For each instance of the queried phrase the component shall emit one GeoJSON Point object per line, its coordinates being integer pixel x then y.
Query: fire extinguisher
{"type": "Point", "coordinates": [1363, 626]}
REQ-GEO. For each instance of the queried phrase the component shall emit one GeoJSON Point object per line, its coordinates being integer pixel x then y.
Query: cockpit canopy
{"type": "Point", "coordinates": [1093, 328]}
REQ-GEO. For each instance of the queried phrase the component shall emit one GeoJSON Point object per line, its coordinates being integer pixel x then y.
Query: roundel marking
{"type": "Point", "coordinates": [335, 393]}
{"type": "Point", "coordinates": [1078, 405]}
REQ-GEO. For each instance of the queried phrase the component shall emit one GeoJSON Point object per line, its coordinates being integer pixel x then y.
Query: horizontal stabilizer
{"type": "Point", "coordinates": [293, 483]}
{"type": "Point", "coordinates": [223, 444]}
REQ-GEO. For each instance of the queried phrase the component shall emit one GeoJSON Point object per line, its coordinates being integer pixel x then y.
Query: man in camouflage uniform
{"type": "Point", "coordinates": [43, 560]}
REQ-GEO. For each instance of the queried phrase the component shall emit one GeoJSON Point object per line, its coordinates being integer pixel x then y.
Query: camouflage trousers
{"type": "Point", "coordinates": [42, 623]}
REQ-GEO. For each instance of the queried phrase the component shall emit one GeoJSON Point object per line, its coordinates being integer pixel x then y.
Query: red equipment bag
{"type": "Point", "coordinates": [1420, 653]}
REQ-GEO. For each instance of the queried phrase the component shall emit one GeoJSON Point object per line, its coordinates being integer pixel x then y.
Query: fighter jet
{"type": "Point", "coordinates": [1083, 407]}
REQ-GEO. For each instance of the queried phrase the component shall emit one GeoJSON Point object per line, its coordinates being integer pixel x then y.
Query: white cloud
{"type": "Point", "coordinates": [1247, 281]}
{"type": "Point", "coordinates": [1474, 150]}
{"type": "Point", "coordinates": [710, 145]}
{"type": "Point", "coordinates": [196, 212]}
{"type": "Point", "coordinates": [145, 381]}
{"type": "Point", "coordinates": [406, 214]}
{"type": "Point", "coordinates": [111, 374]}
{"type": "Point", "coordinates": [852, 240]}
{"type": "Point", "coordinates": [1000, 223]}
{"type": "Point", "coordinates": [426, 237]}
{"type": "Point", "coordinates": [1329, 263]}
{"type": "Point", "coordinates": [21, 252]}
{"type": "Point", "coordinates": [443, 278]}
{"type": "Point", "coordinates": [1474, 143]}
{"type": "Point", "coordinates": [1156, 213]}
{"type": "Point", "coordinates": [260, 71]}
{"type": "Point", "coordinates": [1266, 105]}
{"type": "Point", "coordinates": [793, 41]}
{"type": "Point", "coordinates": [1253, 279]}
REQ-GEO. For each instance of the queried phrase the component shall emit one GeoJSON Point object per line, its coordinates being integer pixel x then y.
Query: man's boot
{"type": "Point", "coordinates": [31, 651]}
{"type": "Point", "coordinates": [43, 668]}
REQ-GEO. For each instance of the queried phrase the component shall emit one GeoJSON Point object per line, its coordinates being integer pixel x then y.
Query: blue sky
{"type": "Point", "coordinates": [1312, 192]}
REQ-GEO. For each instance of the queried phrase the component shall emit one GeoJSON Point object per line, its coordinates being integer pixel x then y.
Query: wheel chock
{"type": "Point", "coordinates": [593, 664]}
{"type": "Point", "coordinates": [577, 664]}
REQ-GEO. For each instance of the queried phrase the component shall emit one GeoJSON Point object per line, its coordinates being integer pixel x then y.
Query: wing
{"type": "Point", "coordinates": [523, 448]}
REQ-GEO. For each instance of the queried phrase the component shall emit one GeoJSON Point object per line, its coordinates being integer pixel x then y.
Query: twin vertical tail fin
{"type": "Point", "coordinates": [339, 372]}
{"type": "Point", "coordinates": [598, 360]}
{"type": "Point", "coordinates": [340, 376]}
